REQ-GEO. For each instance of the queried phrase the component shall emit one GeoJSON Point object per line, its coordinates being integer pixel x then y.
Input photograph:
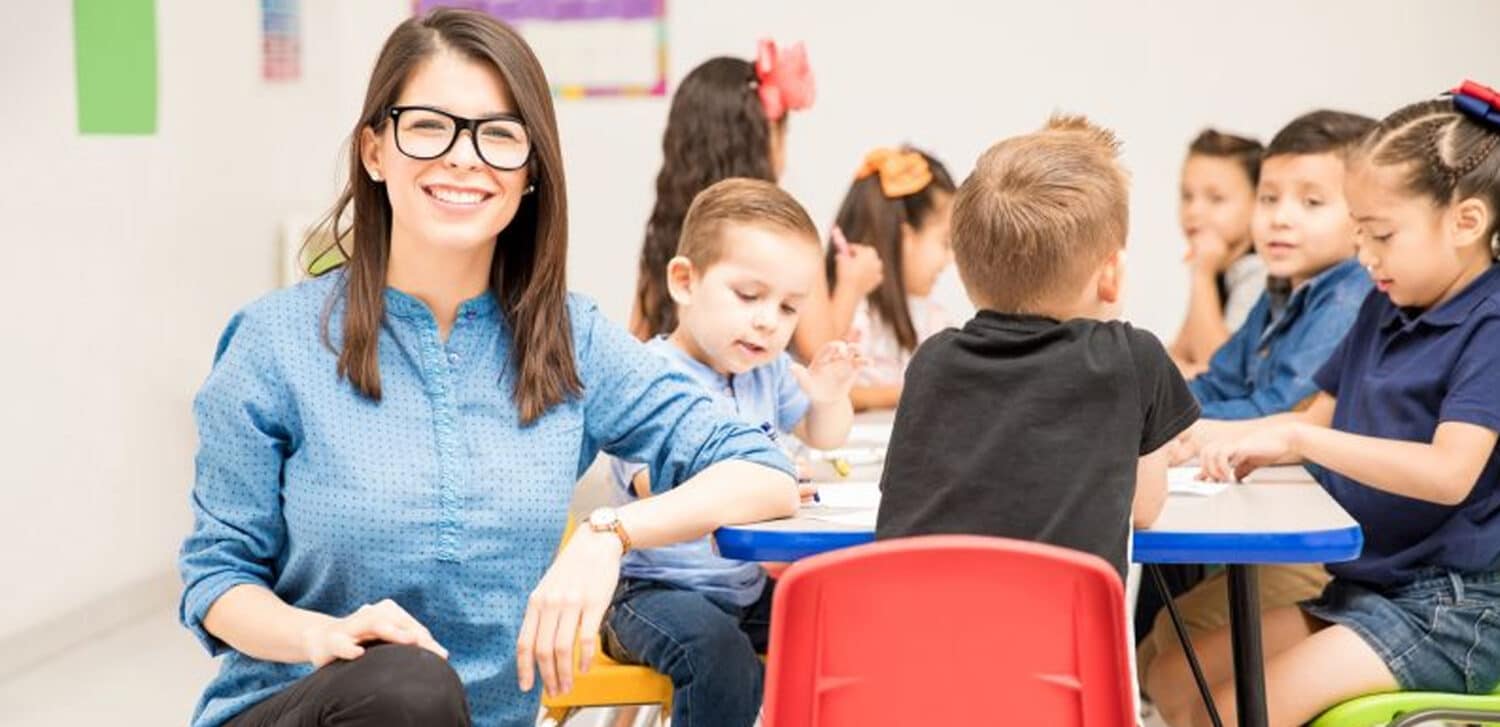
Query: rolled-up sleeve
{"type": "Point", "coordinates": [638, 408]}
{"type": "Point", "coordinates": [242, 414]}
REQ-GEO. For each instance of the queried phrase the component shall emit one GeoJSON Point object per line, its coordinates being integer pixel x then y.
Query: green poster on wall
{"type": "Point", "coordinates": [114, 48]}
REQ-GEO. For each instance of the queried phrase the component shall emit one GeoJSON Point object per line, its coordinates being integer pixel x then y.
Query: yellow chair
{"type": "Point", "coordinates": [609, 683]}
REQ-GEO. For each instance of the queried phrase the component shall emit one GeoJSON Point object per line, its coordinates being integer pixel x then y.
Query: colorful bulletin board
{"type": "Point", "coordinates": [280, 40]}
{"type": "Point", "coordinates": [588, 47]}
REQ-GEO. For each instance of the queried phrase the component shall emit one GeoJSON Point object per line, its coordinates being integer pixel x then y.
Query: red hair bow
{"type": "Point", "coordinates": [785, 81]}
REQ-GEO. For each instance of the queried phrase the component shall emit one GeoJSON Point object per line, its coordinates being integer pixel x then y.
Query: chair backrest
{"type": "Point", "coordinates": [946, 629]}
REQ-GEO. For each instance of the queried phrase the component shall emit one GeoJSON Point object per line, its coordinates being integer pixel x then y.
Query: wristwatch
{"type": "Point", "coordinates": [605, 519]}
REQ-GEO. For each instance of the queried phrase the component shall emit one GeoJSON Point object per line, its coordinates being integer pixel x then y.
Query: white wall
{"type": "Point", "coordinates": [127, 254]}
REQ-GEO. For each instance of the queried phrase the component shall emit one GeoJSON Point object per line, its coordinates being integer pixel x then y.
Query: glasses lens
{"type": "Point", "coordinates": [503, 143]}
{"type": "Point", "coordinates": [423, 134]}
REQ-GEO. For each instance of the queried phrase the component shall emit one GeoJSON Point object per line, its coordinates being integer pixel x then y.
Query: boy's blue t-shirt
{"type": "Point", "coordinates": [1267, 366]}
{"type": "Point", "coordinates": [1398, 375]}
{"type": "Point", "coordinates": [767, 397]}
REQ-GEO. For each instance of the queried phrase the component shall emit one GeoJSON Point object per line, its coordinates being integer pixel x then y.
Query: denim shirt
{"type": "Point", "coordinates": [1267, 366]}
{"type": "Point", "coordinates": [436, 496]}
{"type": "Point", "coordinates": [767, 397]}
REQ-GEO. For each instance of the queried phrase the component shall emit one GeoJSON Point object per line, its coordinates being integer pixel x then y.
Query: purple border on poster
{"type": "Point", "coordinates": [520, 10]}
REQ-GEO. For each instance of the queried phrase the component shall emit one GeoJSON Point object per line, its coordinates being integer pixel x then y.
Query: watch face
{"type": "Point", "coordinates": [602, 518]}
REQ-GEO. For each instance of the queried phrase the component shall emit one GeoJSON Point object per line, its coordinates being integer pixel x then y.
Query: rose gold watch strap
{"type": "Point", "coordinates": [619, 530]}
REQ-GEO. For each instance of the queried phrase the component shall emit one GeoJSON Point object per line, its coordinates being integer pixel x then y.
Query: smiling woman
{"type": "Point", "coordinates": [387, 452]}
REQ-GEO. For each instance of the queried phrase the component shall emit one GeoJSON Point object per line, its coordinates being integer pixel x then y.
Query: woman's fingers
{"type": "Point", "coordinates": [570, 609]}
{"type": "Point", "coordinates": [589, 623]}
{"type": "Point", "coordinates": [526, 644]}
{"type": "Point", "coordinates": [546, 635]}
{"type": "Point", "coordinates": [341, 645]}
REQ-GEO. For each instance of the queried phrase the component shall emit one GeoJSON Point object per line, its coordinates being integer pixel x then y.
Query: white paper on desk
{"type": "Point", "coordinates": [1184, 481]}
{"type": "Point", "coordinates": [850, 494]}
{"type": "Point", "coordinates": [856, 518]}
{"type": "Point", "coordinates": [870, 433]}
{"type": "Point", "coordinates": [853, 455]}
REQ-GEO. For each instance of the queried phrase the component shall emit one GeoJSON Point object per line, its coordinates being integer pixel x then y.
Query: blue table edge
{"type": "Point", "coordinates": [1309, 546]}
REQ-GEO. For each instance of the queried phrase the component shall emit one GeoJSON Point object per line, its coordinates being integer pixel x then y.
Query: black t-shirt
{"type": "Point", "coordinates": [1024, 427]}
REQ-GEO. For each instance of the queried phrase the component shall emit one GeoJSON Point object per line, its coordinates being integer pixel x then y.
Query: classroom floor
{"type": "Point", "coordinates": [148, 673]}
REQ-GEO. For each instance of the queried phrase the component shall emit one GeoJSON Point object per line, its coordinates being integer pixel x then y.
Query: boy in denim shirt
{"type": "Point", "coordinates": [1302, 230]}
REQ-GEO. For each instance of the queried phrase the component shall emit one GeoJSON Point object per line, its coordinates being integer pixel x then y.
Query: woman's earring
{"type": "Point", "coordinates": [375, 176]}
{"type": "Point", "coordinates": [529, 189]}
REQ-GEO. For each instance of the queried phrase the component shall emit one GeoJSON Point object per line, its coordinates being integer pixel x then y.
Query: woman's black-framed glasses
{"type": "Point", "coordinates": [423, 132]}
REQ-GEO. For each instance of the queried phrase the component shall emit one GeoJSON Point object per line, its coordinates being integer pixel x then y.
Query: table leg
{"type": "Point", "coordinates": [1249, 660]}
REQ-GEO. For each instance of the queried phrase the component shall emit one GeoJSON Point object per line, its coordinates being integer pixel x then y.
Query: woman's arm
{"type": "Point", "coordinates": [257, 623]}
{"type": "Point", "coordinates": [568, 605]}
{"type": "Point", "coordinates": [706, 469]}
{"type": "Point", "coordinates": [247, 427]}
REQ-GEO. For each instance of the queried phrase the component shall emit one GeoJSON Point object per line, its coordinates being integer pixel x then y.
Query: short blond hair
{"type": "Point", "coordinates": [739, 201]}
{"type": "Point", "coordinates": [1039, 214]}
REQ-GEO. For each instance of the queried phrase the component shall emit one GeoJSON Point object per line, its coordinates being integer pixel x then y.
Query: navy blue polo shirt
{"type": "Point", "coordinates": [1397, 375]}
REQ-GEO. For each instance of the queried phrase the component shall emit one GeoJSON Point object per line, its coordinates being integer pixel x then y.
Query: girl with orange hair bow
{"type": "Point", "coordinates": [900, 204]}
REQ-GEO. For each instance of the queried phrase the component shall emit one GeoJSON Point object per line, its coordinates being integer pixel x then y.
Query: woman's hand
{"type": "Point", "coordinates": [384, 621]}
{"type": "Point", "coordinates": [568, 604]}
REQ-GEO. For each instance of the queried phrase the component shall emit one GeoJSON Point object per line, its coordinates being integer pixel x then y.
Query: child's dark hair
{"type": "Point", "coordinates": [1449, 157]}
{"type": "Point", "coordinates": [1242, 149]}
{"type": "Point", "coordinates": [716, 129]}
{"type": "Point", "coordinates": [1320, 132]}
{"type": "Point", "coordinates": [869, 216]}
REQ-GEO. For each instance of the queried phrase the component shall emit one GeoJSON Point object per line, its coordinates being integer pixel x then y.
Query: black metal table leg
{"type": "Point", "coordinates": [1249, 659]}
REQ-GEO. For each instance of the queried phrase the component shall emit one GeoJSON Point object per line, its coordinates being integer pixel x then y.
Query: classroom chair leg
{"type": "Point", "coordinates": [554, 716]}
{"type": "Point", "coordinates": [625, 716]}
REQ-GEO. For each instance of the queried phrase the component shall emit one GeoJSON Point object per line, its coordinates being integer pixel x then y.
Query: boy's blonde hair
{"type": "Point", "coordinates": [739, 201]}
{"type": "Point", "coordinates": [1039, 214]}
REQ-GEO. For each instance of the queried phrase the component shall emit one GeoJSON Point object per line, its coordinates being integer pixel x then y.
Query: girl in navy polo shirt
{"type": "Point", "coordinates": [1406, 426]}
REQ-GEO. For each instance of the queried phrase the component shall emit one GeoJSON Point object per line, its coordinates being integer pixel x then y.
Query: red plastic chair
{"type": "Point", "coordinates": [947, 629]}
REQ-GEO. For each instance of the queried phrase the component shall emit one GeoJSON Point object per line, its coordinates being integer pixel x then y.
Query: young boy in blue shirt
{"type": "Point", "coordinates": [747, 259]}
{"type": "Point", "coordinates": [1302, 230]}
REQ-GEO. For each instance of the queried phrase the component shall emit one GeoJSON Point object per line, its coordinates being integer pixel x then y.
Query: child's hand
{"type": "Point", "coordinates": [1182, 449]}
{"type": "Point", "coordinates": [1231, 460]}
{"type": "Point", "coordinates": [808, 491]}
{"type": "Point", "coordinates": [856, 265]}
{"type": "Point", "coordinates": [832, 373]}
{"type": "Point", "coordinates": [804, 469]}
{"type": "Point", "coordinates": [1208, 252]}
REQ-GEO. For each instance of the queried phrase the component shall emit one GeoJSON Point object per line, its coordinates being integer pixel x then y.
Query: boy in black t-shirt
{"type": "Point", "coordinates": [1041, 419]}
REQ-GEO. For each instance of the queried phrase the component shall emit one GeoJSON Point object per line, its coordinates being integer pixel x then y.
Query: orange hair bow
{"type": "Point", "coordinates": [785, 81]}
{"type": "Point", "coordinates": [902, 171]}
